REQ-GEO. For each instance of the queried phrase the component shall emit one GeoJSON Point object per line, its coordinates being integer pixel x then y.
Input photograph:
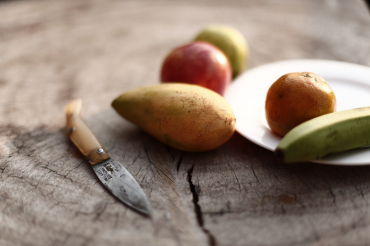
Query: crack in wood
{"type": "Point", "coordinates": [255, 174]}
{"type": "Point", "coordinates": [170, 153]}
{"type": "Point", "coordinates": [56, 172]}
{"type": "Point", "coordinates": [133, 162]}
{"type": "Point", "coordinates": [328, 184]}
{"type": "Point", "coordinates": [233, 171]}
{"type": "Point", "coordinates": [179, 163]}
{"type": "Point", "coordinates": [100, 212]}
{"type": "Point", "coordinates": [198, 210]}
{"type": "Point", "coordinates": [2, 169]}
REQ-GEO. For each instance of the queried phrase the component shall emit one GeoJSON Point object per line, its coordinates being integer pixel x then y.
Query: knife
{"type": "Point", "coordinates": [110, 172]}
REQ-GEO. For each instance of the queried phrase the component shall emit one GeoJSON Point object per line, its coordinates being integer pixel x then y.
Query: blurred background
{"type": "Point", "coordinates": [54, 51]}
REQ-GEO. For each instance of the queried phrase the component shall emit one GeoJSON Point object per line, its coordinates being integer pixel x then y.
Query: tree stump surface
{"type": "Point", "coordinates": [54, 51]}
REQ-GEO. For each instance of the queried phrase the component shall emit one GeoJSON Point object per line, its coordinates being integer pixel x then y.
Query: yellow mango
{"type": "Point", "coordinates": [184, 116]}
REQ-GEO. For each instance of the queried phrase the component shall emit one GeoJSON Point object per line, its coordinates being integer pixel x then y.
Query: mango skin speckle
{"type": "Point", "coordinates": [186, 117]}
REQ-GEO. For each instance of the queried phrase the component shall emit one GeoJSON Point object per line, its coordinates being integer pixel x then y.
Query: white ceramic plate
{"type": "Point", "coordinates": [247, 94]}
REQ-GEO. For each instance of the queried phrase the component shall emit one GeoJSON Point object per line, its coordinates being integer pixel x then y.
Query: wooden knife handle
{"type": "Point", "coordinates": [82, 136]}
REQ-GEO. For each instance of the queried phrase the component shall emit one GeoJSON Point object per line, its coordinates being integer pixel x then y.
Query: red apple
{"type": "Point", "coordinates": [198, 63]}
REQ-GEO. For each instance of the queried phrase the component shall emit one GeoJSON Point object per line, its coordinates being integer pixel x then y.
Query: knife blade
{"type": "Point", "coordinates": [111, 173]}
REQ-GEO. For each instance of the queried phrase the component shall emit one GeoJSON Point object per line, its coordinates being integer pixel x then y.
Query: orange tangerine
{"type": "Point", "coordinates": [295, 98]}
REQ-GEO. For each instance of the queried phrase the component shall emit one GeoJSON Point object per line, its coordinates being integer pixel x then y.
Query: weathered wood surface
{"type": "Point", "coordinates": [54, 51]}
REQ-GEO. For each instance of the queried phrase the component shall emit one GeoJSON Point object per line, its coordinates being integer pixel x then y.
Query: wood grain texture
{"type": "Point", "coordinates": [55, 51]}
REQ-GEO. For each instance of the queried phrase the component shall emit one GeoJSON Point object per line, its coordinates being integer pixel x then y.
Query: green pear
{"type": "Point", "coordinates": [184, 116]}
{"type": "Point", "coordinates": [231, 42]}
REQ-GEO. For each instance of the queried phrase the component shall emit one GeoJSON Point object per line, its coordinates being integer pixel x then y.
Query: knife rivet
{"type": "Point", "coordinates": [72, 129]}
{"type": "Point", "coordinates": [99, 151]}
